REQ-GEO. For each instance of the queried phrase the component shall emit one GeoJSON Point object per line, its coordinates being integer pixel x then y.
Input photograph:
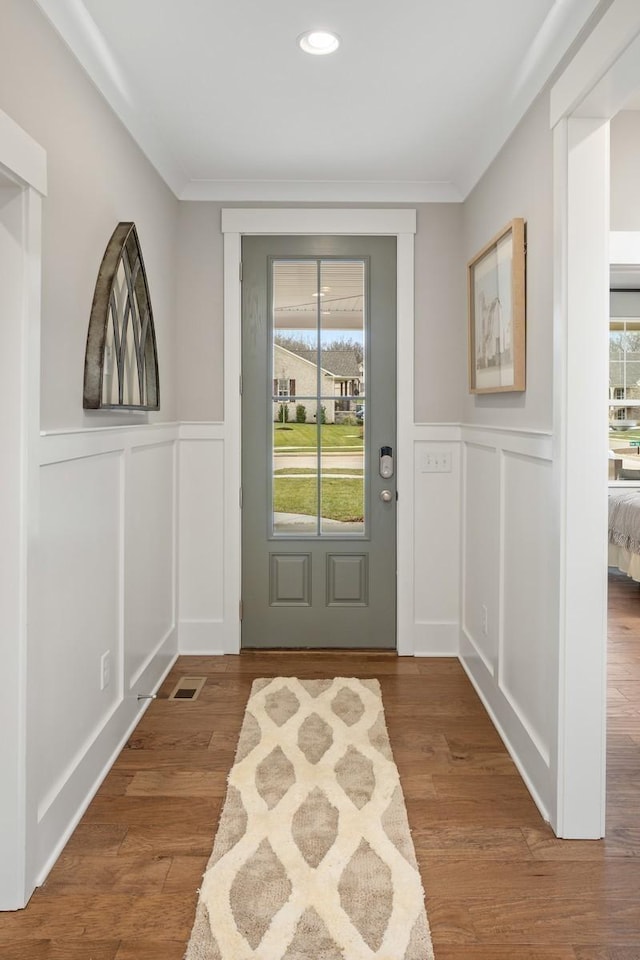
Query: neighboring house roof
{"type": "Point", "coordinates": [339, 363]}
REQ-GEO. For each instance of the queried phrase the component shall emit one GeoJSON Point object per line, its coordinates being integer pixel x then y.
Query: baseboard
{"type": "Point", "coordinates": [436, 639]}
{"type": "Point", "coordinates": [202, 638]}
{"type": "Point", "coordinates": [120, 726]}
{"type": "Point", "coordinates": [535, 795]}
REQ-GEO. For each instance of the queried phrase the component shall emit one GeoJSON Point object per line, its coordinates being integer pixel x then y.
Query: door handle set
{"type": "Point", "coordinates": [386, 463]}
{"type": "Point", "coordinates": [386, 472]}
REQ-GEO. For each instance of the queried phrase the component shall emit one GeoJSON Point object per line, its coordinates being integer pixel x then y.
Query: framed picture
{"type": "Point", "coordinates": [496, 279]}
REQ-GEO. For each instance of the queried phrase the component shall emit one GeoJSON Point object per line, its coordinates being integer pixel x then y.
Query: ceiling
{"type": "Point", "coordinates": [413, 106]}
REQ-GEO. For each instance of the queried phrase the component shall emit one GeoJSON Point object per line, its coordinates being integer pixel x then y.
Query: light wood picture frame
{"type": "Point", "coordinates": [497, 311]}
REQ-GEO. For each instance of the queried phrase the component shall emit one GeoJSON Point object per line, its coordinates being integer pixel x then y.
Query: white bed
{"type": "Point", "coordinates": [624, 531]}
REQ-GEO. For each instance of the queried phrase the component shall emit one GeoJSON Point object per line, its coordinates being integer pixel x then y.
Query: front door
{"type": "Point", "coordinates": [318, 442]}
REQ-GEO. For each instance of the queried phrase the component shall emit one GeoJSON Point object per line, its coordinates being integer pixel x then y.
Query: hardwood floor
{"type": "Point", "coordinates": [499, 885]}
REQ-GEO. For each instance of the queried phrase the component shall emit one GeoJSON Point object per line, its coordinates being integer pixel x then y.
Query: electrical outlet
{"type": "Point", "coordinates": [105, 670]}
{"type": "Point", "coordinates": [485, 620]}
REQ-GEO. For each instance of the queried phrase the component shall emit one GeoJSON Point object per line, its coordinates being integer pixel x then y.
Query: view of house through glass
{"type": "Point", "coordinates": [318, 397]}
{"type": "Point", "coordinates": [624, 385]}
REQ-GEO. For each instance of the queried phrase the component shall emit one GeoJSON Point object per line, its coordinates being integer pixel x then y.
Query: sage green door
{"type": "Point", "coordinates": [318, 442]}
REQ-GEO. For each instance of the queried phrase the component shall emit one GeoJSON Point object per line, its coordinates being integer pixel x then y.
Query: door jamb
{"type": "Point", "coordinates": [24, 163]}
{"type": "Point", "coordinates": [237, 222]}
{"type": "Point", "coordinates": [593, 87]}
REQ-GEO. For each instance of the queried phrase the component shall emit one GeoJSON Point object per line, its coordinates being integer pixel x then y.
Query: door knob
{"type": "Point", "coordinates": [386, 495]}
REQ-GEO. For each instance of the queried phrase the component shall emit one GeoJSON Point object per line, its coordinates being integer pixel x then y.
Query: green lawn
{"type": "Point", "coordinates": [311, 471]}
{"type": "Point", "coordinates": [625, 435]}
{"type": "Point", "coordinates": [341, 499]}
{"type": "Point", "coordinates": [306, 435]}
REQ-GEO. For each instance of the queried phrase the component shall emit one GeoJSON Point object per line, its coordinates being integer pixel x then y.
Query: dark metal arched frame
{"type": "Point", "coordinates": [121, 340]}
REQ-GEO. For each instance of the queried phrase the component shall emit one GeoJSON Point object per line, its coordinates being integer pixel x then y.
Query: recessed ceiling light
{"type": "Point", "coordinates": [319, 42]}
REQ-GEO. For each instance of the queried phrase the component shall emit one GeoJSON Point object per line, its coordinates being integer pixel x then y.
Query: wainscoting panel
{"type": "Point", "coordinates": [481, 553]}
{"type": "Point", "coordinates": [436, 522]}
{"type": "Point", "coordinates": [103, 629]}
{"type": "Point", "coordinates": [201, 558]}
{"type": "Point", "coordinates": [80, 547]}
{"type": "Point", "coordinates": [510, 603]}
{"type": "Point", "coordinates": [149, 611]}
{"type": "Point", "coordinates": [528, 630]}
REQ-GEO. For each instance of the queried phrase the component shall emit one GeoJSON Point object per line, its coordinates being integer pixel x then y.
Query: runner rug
{"type": "Point", "coordinates": [313, 859]}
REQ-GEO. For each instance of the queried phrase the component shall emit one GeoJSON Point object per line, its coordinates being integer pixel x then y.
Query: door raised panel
{"type": "Point", "coordinates": [347, 580]}
{"type": "Point", "coordinates": [289, 580]}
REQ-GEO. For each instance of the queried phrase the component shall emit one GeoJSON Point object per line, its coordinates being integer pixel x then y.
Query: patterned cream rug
{"type": "Point", "coordinates": [313, 859]}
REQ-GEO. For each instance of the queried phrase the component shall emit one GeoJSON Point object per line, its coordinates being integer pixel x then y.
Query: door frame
{"type": "Point", "coordinates": [23, 163]}
{"type": "Point", "coordinates": [593, 87]}
{"type": "Point", "coordinates": [239, 222]}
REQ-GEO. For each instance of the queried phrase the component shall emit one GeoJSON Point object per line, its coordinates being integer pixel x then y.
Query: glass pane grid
{"type": "Point", "coordinates": [318, 397]}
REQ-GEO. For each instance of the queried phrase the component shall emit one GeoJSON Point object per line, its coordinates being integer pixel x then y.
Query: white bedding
{"type": "Point", "coordinates": [628, 562]}
{"type": "Point", "coordinates": [624, 531]}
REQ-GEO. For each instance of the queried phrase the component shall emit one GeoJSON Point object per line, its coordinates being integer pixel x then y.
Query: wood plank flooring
{"type": "Point", "coordinates": [499, 885]}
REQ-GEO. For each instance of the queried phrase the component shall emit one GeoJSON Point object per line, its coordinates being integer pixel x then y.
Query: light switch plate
{"type": "Point", "coordinates": [433, 462]}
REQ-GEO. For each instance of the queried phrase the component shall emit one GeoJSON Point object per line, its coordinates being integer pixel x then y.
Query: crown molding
{"type": "Point", "coordinates": [72, 20]}
{"type": "Point", "coordinates": [323, 191]}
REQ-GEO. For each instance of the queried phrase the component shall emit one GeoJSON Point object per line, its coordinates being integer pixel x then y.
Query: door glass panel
{"type": "Point", "coordinates": [341, 295]}
{"type": "Point", "coordinates": [317, 397]}
{"type": "Point", "coordinates": [294, 397]}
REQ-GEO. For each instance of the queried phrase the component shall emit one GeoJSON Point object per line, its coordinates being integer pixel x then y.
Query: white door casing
{"type": "Point", "coordinates": [297, 221]}
{"type": "Point", "coordinates": [594, 87]}
{"type": "Point", "coordinates": [22, 186]}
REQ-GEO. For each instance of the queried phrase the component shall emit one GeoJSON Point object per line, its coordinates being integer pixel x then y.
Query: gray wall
{"type": "Point", "coordinates": [97, 177]}
{"type": "Point", "coordinates": [625, 171]}
{"type": "Point", "coordinates": [519, 183]}
{"type": "Point", "coordinates": [200, 320]}
{"type": "Point", "coordinates": [440, 335]}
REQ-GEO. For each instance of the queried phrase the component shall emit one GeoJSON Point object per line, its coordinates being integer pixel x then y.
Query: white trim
{"type": "Point", "coordinates": [436, 638]}
{"type": "Point", "coordinates": [78, 444]}
{"type": "Point", "coordinates": [254, 221]}
{"type": "Point", "coordinates": [323, 191]}
{"type": "Point", "coordinates": [581, 294]}
{"type": "Point", "coordinates": [21, 156]}
{"type": "Point", "coordinates": [201, 430]}
{"type": "Point", "coordinates": [118, 713]}
{"type": "Point", "coordinates": [405, 559]}
{"type": "Point", "coordinates": [504, 736]}
{"type": "Point", "coordinates": [624, 247]}
{"type": "Point", "coordinates": [80, 32]}
{"type": "Point", "coordinates": [529, 443]}
{"type": "Point", "coordinates": [597, 82]}
{"type": "Point", "coordinates": [113, 428]}
{"type": "Point", "coordinates": [607, 58]}
{"type": "Point", "coordinates": [313, 222]}
{"type": "Point", "coordinates": [232, 367]}
{"type": "Point", "coordinates": [24, 161]}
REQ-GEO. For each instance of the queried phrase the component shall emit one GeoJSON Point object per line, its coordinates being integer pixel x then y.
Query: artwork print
{"type": "Point", "coordinates": [496, 314]}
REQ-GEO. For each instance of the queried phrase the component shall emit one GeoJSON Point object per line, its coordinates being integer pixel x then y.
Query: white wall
{"type": "Point", "coordinates": [509, 541]}
{"type": "Point", "coordinates": [106, 549]}
{"type": "Point", "coordinates": [103, 574]}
